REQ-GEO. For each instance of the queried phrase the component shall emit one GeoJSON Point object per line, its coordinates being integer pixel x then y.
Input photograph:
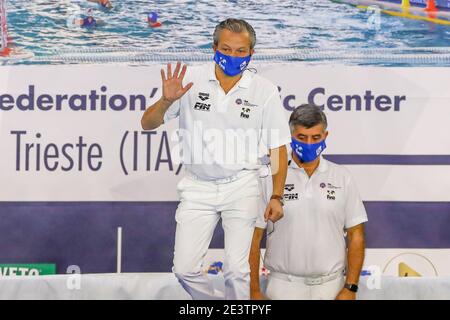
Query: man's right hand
{"type": "Point", "coordinates": [173, 84]}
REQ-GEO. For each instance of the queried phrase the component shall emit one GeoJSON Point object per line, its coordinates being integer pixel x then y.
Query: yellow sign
{"type": "Point", "coordinates": [406, 271]}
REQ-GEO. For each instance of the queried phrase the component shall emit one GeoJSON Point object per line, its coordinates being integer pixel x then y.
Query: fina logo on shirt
{"type": "Point", "coordinates": [202, 106]}
{"type": "Point", "coordinates": [290, 196]}
{"type": "Point", "coordinates": [331, 195]}
{"type": "Point", "coordinates": [245, 113]}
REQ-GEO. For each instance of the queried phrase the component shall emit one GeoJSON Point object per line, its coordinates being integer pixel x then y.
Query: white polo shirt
{"type": "Point", "coordinates": [223, 134]}
{"type": "Point", "coordinates": [309, 240]}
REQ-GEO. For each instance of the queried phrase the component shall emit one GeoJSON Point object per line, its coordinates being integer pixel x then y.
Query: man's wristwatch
{"type": "Point", "coordinates": [352, 287]}
{"type": "Point", "coordinates": [279, 198]}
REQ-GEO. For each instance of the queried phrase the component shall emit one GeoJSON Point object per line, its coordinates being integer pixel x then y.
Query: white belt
{"type": "Point", "coordinates": [310, 281]}
{"type": "Point", "coordinates": [235, 177]}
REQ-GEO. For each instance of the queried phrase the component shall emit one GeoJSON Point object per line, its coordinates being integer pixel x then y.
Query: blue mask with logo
{"type": "Point", "coordinates": [231, 66]}
{"type": "Point", "coordinates": [307, 152]}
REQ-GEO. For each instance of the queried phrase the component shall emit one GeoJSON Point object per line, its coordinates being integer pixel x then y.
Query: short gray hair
{"type": "Point", "coordinates": [235, 25]}
{"type": "Point", "coordinates": [308, 116]}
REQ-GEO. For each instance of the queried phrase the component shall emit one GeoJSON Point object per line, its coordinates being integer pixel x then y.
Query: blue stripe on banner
{"type": "Point", "coordinates": [408, 224]}
{"type": "Point", "coordinates": [84, 233]}
{"type": "Point", "coordinates": [381, 159]}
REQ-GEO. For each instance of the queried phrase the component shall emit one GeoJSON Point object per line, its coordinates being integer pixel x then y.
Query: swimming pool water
{"type": "Point", "coordinates": [40, 26]}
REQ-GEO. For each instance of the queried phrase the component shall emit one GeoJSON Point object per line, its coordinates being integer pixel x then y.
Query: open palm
{"type": "Point", "coordinates": [173, 84]}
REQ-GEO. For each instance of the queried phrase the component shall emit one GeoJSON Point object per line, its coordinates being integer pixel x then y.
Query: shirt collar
{"type": "Point", "coordinates": [212, 71]}
{"type": "Point", "coordinates": [244, 82]}
{"type": "Point", "coordinates": [323, 165]}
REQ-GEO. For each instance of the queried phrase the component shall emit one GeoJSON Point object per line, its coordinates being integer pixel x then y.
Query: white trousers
{"type": "Point", "coordinates": [202, 204]}
{"type": "Point", "coordinates": [279, 289]}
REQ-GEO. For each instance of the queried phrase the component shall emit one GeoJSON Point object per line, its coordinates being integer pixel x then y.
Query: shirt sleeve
{"type": "Point", "coordinates": [173, 111]}
{"type": "Point", "coordinates": [275, 126]}
{"type": "Point", "coordinates": [355, 213]}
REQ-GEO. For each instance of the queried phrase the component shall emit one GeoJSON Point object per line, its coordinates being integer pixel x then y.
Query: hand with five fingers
{"type": "Point", "coordinates": [173, 84]}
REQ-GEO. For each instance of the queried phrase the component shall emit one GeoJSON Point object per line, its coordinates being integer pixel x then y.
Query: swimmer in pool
{"type": "Point", "coordinates": [89, 21]}
{"type": "Point", "coordinates": [152, 19]}
{"type": "Point", "coordinates": [104, 3]}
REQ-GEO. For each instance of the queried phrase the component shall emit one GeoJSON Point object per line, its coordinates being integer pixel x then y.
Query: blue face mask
{"type": "Point", "coordinates": [231, 66]}
{"type": "Point", "coordinates": [307, 152]}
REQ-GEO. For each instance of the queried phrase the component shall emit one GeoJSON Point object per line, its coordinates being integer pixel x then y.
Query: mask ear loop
{"type": "Point", "coordinates": [254, 70]}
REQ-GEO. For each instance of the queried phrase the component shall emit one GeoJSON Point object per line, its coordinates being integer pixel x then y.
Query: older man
{"type": "Point", "coordinates": [306, 250]}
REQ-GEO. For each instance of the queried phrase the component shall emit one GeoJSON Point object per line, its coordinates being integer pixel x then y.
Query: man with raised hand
{"type": "Point", "coordinates": [230, 119]}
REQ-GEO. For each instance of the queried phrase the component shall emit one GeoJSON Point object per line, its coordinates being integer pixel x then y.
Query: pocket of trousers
{"type": "Point", "coordinates": [181, 185]}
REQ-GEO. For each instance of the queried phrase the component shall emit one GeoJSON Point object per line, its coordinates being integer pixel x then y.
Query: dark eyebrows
{"type": "Point", "coordinates": [315, 136]}
{"type": "Point", "coordinates": [224, 45]}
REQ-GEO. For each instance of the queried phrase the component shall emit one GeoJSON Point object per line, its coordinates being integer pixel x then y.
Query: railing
{"type": "Point", "coordinates": [426, 55]}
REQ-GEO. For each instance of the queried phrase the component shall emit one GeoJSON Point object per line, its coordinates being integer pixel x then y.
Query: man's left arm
{"type": "Point", "coordinates": [355, 260]}
{"type": "Point", "coordinates": [277, 136]}
{"type": "Point", "coordinates": [278, 165]}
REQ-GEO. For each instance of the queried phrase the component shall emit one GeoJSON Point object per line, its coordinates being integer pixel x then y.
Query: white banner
{"type": "Point", "coordinates": [386, 262]}
{"type": "Point", "coordinates": [73, 133]}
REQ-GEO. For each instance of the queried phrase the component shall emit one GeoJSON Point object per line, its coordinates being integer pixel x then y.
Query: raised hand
{"type": "Point", "coordinates": [173, 84]}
